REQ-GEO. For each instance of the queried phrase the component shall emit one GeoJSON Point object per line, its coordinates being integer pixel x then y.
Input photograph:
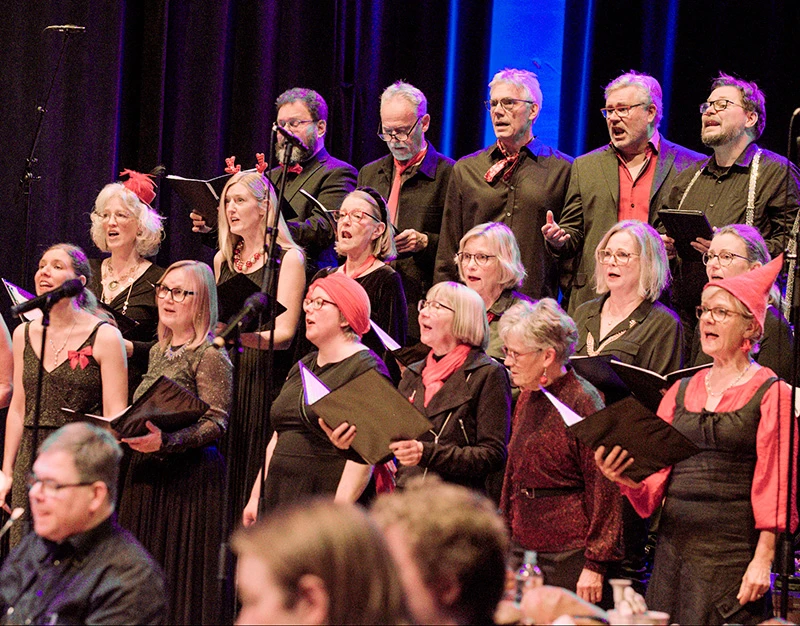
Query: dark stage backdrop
{"type": "Point", "coordinates": [187, 83]}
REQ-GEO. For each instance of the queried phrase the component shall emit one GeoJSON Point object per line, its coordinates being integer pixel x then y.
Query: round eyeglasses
{"type": "Point", "coordinates": [725, 258]}
{"type": "Point", "coordinates": [315, 304]}
{"type": "Point", "coordinates": [718, 313]}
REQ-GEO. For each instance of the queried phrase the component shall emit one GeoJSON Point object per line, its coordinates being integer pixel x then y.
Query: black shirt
{"type": "Point", "coordinates": [101, 576]}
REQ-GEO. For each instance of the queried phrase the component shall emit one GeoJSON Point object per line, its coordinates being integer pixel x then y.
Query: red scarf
{"type": "Point", "coordinates": [399, 169]}
{"type": "Point", "coordinates": [505, 166]}
{"type": "Point", "coordinates": [437, 372]}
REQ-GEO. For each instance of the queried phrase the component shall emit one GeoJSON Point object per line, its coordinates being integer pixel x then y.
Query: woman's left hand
{"type": "Point", "coordinates": [590, 586]}
{"type": "Point", "coordinates": [342, 436]}
{"type": "Point", "coordinates": [408, 452]}
{"type": "Point", "coordinates": [151, 442]}
{"type": "Point", "coordinates": [755, 581]}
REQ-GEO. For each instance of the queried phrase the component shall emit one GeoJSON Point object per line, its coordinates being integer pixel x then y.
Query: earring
{"type": "Point", "coordinates": [747, 345]}
{"type": "Point", "coordinates": [543, 378]}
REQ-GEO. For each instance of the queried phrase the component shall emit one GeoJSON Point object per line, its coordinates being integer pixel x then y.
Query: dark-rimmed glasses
{"type": "Point", "coordinates": [397, 135]}
{"type": "Point", "coordinates": [720, 104]}
{"type": "Point", "coordinates": [49, 487]}
{"type": "Point", "coordinates": [480, 259]}
{"type": "Point", "coordinates": [178, 294]}
{"type": "Point", "coordinates": [725, 258]}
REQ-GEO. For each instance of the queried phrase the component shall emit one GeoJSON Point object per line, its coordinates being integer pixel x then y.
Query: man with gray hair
{"type": "Point", "coordinates": [414, 179]}
{"type": "Point", "coordinates": [78, 566]}
{"type": "Point", "coordinates": [627, 179]}
{"type": "Point", "coordinates": [516, 180]}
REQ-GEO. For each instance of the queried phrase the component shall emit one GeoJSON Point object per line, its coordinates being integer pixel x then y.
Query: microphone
{"type": "Point", "coordinates": [290, 137]}
{"type": "Point", "coordinates": [15, 515]}
{"type": "Point", "coordinates": [252, 307]}
{"type": "Point", "coordinates": [67, 28]}
{"type": "Point", "coordinates": [68, 289]}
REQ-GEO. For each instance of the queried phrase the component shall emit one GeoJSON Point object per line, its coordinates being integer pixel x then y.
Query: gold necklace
{"type": "Point", "coordinates": [590, 349]}
{"type": "Point", "coordinates": [114, 283]}
{"type": "Point", "coordinates": [57, 351]}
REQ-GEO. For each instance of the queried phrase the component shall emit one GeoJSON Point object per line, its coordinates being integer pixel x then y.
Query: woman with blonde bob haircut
{"type": "Point", "coordinates": [626, 321]}
{"type": "Point", "coordinates": [325, 562]}
{"type": "Point", "coordinates": [173, 476]}
{"type": "Point", "coordinates": [489, 262]}
{"type": "Point", "coordinates": [460, 389]}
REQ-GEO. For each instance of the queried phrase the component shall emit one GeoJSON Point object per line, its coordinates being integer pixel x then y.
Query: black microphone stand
{"type": "Point", "coordinates": [785, 548]}
{"type": "Point", "coordinates": [37, 403]}
{"type": "Point", "coordinates": [28, 175]}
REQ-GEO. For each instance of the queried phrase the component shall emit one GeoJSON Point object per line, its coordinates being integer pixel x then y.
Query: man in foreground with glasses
{"type": "Point", "coordinates": [515, 181]}
{"type": "Point", "coordinates": [414, 178]}
{"type": "Point", "coordinates": [741, 183]}
{"type": "Point", "coordinates": [627, 179]}
{"type": "Point", "coordinates": [78, 566]}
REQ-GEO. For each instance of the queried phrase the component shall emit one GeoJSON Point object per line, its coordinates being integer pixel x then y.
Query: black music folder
{"type": "Point", "coordinates": [648, 386]}
{"type": "Point", "coordinates": [167, 404]}
{"type": "Point", "coordinates": [684, 226]}
{"type": "Point", "coordinates": [651, 442]}
{"type": "Point", "coordinates": [201, 196]}
{"type": "Point", "coordinates": [597, 370]}
{"type": "Point", "coordinates": [380, 413]}
{"type": "Point", "coordinates": [232, 294]}
{"type": "Point", "coordinates": [124, 323]}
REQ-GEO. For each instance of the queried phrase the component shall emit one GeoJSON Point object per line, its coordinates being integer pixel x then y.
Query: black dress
{"type": "Point", "coordinates": [171, 500]}
{"type": "Point", "coordinates": [707, 534]}
{"type": "Point", "coordinates": [80, 389]}
{"type": "Point", "coordinates": [305, 463]}
{"type": "Point", "coordinates": [249, 430]}
{"type": "Point", "coordinates": [139, 303]}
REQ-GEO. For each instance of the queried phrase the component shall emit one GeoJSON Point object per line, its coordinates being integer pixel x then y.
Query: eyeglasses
{"type": "Point", "coordinates": [50, 488]}
{"type": "Point", "coordinates": [293, 124]}
{"type": "Point", "coordinates": [513, 354]}
{"type": "Point", "coordinates": [719, 105]}
{"type": "Point", "coordinates": [725, 258]}
{"type": "Point", "coordinates": [718, 313]}
{"type": "Point", "coordinates": [623, 110]}
{"type": "Point", "coordinates": [178, 294]}
{"type": "Point", "coordinates": [397, 135]}
{"type": "Point", "coordinates": [621, 257]}
{"type": "Point", "coordinates": [480, 259]}
{"type": "Point", "coordinates": [315, 304]}
{"type": "Point", "coordinates": [433, 305]}
{"type": "Point", "coordinates": [355, 216]}
{"type": "Point", "coordinates": [508, 104]}
{"type": "Point", "coordinates": [119, 216]}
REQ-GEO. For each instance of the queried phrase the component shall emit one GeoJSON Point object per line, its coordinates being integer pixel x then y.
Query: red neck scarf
{"type": "Point", "coordinates": [504, 166]}
{"type": "Point", "coordinates": [399, 168]}
{"type": "Point", "coordinates": [437, 372]}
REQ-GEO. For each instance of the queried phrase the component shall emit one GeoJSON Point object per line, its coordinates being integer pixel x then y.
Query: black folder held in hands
{"type": "Point", "coordinates": [232, 294]}
{"type": "Point", "coordinates": [201, 196]}
{"type": "Point", "coordinates": [651, 442]}
{"type": "Point", "coordinates": [684, 226]}
{"type": "Point", "coordinates": [167, 404]}
{"type": "Point", "coordinates": [380, 413]}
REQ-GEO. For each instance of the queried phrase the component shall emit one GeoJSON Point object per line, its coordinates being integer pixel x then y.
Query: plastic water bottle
{"type": "Point", "coordinates": [529, 575]}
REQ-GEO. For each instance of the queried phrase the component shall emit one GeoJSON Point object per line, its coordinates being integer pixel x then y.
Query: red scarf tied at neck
{"type": "Point", "coordinates": [437, 372]}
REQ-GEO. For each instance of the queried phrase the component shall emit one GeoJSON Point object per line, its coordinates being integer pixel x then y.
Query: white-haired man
{"type": "Point", "coordinates": [627, 179]}
{"type": "Point", "coordinates": [516, 180]}
{"type": "Point", "coordinates": [414, 178]}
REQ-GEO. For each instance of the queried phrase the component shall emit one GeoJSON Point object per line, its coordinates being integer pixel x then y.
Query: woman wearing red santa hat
{"type": "Point", "coordinates": [724, 506]}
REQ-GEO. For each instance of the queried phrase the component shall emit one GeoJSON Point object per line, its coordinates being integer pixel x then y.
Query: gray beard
{"type": "Point", "coordinates": [297, 156]}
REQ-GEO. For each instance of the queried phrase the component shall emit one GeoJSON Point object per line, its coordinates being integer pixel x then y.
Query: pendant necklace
{"type": "Point", "coordinates": [57, 351]}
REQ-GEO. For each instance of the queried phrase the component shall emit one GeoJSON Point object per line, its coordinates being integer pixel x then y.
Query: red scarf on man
{"type": "Point", "coordinates": [437, 372]}
{"type": "Point", "coordinates": [399, 169]}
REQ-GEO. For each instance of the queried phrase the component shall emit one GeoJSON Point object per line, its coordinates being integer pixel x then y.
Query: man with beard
{"type": "Point", "coordinates": [629, 178]}
{"type": "Point", "coordinates": [516, 180]}
{"type": "Point", "coordinates": [414, 178]}
{"type": "Point", "coordinates": [741, 183]}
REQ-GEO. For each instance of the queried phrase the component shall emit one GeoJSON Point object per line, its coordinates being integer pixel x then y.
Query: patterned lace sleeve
{"type": "Point", "coordinates": [214, 378]}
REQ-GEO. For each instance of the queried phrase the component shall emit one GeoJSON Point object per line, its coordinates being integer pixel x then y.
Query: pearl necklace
{"type": "Point", "coordinates": [57, 351]}
{"type": "Point", "coordinates": [237, 258]}
{"type": "Point", "coordinates": [733, 384]}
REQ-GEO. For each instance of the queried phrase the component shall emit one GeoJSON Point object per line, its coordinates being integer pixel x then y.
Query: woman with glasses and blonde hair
{"type": "Point", "coordinates": [555, 500]}
{"type": "Point", "coordinates": [626, 321]}
{"type": "Point", "coordinates": [300, 460]}
{"type": "Point", "coordinates": [460, 389]}
{"type": "Point", "coordinates": [736, 249]}
{"type": "Point", "coordinates": [489, 262]}
{"type": "Point", "coordinates": [246, 208]}
{"type": "Point", "coordinates": [175, 481]}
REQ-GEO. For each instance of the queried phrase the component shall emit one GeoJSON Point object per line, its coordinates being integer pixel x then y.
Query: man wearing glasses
{"type": "Point", "coordinates": [627, 179]}
{"type": "Point", "coordinates": [741, 183]}
{"type": "Point", "coordinates": [78, 566]}
{"type": "Point", "coordinates": [516, 181]}
{"type": "Point", "coordinates": [414, 178]}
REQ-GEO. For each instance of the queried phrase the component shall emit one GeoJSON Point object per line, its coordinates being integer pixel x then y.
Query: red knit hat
{"type": "Point", "coordinates": [752, 288]}
{"type": "Point", "coordinates": [350, 297]}
{"type": "Point", "coordinates": [140, 184]}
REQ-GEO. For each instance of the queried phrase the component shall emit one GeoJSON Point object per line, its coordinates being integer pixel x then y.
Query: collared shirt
{"type": "Point", "coordinates": [101, 576]}
{"type": "Point", "coordinates": [538, 184]}
{"type": "Point", "coordinates": [634, 191]}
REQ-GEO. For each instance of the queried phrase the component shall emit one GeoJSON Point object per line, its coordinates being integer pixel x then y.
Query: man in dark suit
{"type": "Point", "coordinates": [628, 179]}
{"type": "Point", "coordinates": [414, 178]}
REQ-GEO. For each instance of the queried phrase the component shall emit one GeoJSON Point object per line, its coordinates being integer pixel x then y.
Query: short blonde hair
{"type": "Point", "coordinates": [542, 324]}
{"type": "Point", "coordinates": [203, 303]}
{"type": "Point", "coordinates": [654, 274]}
{"type": "Point", "coordinates": [151, 230]}
{"type": "Point", "coordinates": [470, 325]}
{"type": "Point", "coordinates": [264, 193]}
{"type": "Point", "coordinates": [383, 247]}
{"type": "Point", "coordinates": [503, 244]}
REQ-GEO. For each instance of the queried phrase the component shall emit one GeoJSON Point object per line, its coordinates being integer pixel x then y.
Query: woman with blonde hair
{"type": "Point", "coordinates": [175, 481]}
{"type": "Point", "coordinates": [247, 207]}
